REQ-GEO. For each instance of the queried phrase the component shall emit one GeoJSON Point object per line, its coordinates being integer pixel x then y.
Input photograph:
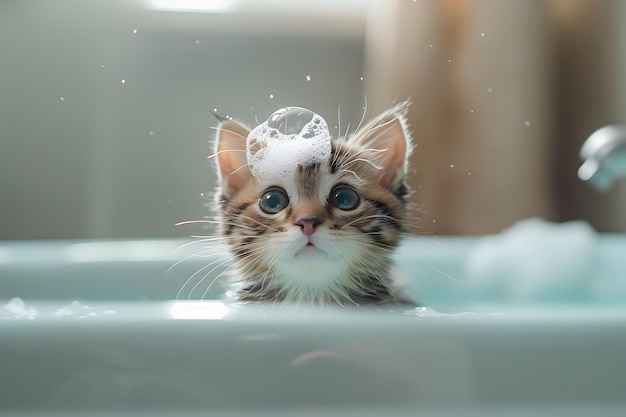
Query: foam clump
{"type": "Point", "coordinates": [534, 260]}
{"type": "Point", "coordinates": [18, 309]}
{"type": "Point", "coordinates": [290, 137]}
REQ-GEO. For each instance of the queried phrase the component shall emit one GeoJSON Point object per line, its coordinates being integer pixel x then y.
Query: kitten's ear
{"type": "Point", "coordinates": [387, 144]}
{"type": "Point", "coordinates": [231, 156]}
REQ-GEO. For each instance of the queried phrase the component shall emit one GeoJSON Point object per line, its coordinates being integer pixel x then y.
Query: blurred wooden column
{"type": "Point", "coordinates": [591, 92]}
{"type": "Point", "coordinates": [479, 74]}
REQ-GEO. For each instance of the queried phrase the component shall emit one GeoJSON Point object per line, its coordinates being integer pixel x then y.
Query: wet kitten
{"type": "Point", "coordinates": [324, 233]}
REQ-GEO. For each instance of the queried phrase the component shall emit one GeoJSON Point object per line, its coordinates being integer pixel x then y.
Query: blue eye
{"type": "Point", "coordinates": [273, 201]}
{"type": "Point", "coordinates": [344, 198]}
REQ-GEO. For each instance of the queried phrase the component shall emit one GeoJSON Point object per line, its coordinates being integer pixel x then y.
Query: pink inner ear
{"type": "Point", "coordinates": [231, 156]}
{"type": "Point", "coordinates": [393, 159]}
{"type": "Point", "coordinates": [232, 172]}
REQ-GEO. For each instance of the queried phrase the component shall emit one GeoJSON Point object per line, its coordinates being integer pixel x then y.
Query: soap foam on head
{"type": "Point", "coordinates": [290, 137]}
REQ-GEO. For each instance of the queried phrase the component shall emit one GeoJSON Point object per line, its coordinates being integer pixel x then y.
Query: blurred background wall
{"type": "Point", "coordinates": [105, 123]}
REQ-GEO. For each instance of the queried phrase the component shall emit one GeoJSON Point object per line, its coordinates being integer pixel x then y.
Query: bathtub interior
{"type": "Point", "coordinates": [112, 327]}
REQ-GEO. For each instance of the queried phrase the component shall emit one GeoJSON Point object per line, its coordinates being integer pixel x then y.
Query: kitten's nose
{"type": "Point", "coordinates": [308, 224]}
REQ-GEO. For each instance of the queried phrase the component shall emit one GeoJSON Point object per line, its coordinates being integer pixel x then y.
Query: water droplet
{"type": "Point", "coordinates": [431, 46]}
{"type": "Point", "coordinates": [201, 194]}
{"type": "Point", "coordinates": [308, 78]}
{"type": "Point", "coordinates": [469, 173]}
{"type": "Point", "coordinates": [62, 98]}
{"type": "Point", "coordinates": [451, 165]}
{"type": "Point", "coordinates": [124, 81]}
{"type": "Point", "coordinates": [197, 41]}
{"type": "Point", "coordinates": [449, 60]}
{"type": "Point", "coordinates": [472, 111]}
{"type": "Point", "coordinates": [527, 123]}
{"type": "Point", "coordinates": [434, 221]}
{"type": "Point", "coordinates": [134, 30]}
{"type": "Point", "coordinates": [271, 96]}
{"type": "Point", "coordinates": [151, 133]}
{"type": "Point", "coordinates": [482, 35]}
{"type": "Point", "coordinates": [215, 109]}
{"type": "Point", "coordinates": [362, 78]}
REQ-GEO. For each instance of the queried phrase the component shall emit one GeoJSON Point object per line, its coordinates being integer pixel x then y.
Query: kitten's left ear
{"type": "Point", "coordinates": [387, 142]}
{"type": "Point", "coordinates": [231, 156]}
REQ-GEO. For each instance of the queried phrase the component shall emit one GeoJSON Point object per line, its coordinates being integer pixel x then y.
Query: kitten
{"type": "Point", "coordinates": [324, 233]}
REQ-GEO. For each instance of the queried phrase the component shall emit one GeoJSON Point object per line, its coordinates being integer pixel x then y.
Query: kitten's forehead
{"type": "Point", "coordinates": [310, 182]}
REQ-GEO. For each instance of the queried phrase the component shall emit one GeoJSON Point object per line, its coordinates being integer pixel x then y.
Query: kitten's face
{"type": "Point", "coordinates": [324, 232]}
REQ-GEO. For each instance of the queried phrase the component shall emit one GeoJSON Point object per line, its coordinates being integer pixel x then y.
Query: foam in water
{"type": "Point", "coordinates": [290, 137]}
{"type": "Point", "coordinates": [533, 259]}
{"type": "Point", "coordinates": [18, 309]}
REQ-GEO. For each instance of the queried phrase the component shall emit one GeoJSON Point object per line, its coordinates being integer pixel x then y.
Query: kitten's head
{"type": "Point", "coordinates": [324, 232]}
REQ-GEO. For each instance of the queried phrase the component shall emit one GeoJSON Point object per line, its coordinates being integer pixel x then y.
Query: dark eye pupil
{"type": "Point", "coordinates": [345, 198]}
{"type": "Point", "coordinates": [272, 201]}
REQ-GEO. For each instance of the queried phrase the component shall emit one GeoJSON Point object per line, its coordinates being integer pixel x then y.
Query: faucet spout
{"type": "Point", "coordinates": [604, 157]}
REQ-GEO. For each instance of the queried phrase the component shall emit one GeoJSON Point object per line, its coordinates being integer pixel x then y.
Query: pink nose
{"type": "Point", "coordinates": [308, 224]}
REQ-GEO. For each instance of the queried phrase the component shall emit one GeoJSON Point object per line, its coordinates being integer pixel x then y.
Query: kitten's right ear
{"type": "Point", "coordinates": [231, 156]}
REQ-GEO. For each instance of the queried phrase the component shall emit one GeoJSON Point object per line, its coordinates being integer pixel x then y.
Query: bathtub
{"type": "Point", "coordinates": [119, 328]}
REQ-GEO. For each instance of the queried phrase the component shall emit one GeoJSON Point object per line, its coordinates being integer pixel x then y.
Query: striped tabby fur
{"type": "Point", "coordinates": [312, 251]}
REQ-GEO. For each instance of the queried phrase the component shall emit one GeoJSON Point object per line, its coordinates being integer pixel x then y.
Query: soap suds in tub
{"type": "Point", "coordinates": [532, 260]}
{"type": "Point", "coordinates": [18, 309]}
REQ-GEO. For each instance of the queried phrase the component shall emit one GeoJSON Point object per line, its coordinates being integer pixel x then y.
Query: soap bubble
{"type": "Point", "coordinates": [290, 137]}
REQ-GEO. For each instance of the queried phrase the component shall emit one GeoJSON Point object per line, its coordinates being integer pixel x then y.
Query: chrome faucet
{"type": "Point", "coordinates": [604, 157]}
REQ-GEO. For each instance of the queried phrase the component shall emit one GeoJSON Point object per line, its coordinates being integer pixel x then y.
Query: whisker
{"type": "Point", "coordinates": [193, 276]}
{"type": "Point", "coordinates": [223, 151]}
{"type": "Point", "coordinates": [206, 275]}
{"type": "Point", "coordinates": [371, 216]}
{"type": "Point", "coordinates": [260, 223]}
{"type": "Point", "coordinates": [363, 115]}
{"type": "Point", "coordinates": [230, 131]}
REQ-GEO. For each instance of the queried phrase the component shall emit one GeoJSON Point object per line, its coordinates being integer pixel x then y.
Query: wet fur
{"type": "Point", "coordinates": [355, 265]}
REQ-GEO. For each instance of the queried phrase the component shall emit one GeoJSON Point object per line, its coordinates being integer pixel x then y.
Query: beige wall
{"type": "Point", "coordinates": [504, 93]}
